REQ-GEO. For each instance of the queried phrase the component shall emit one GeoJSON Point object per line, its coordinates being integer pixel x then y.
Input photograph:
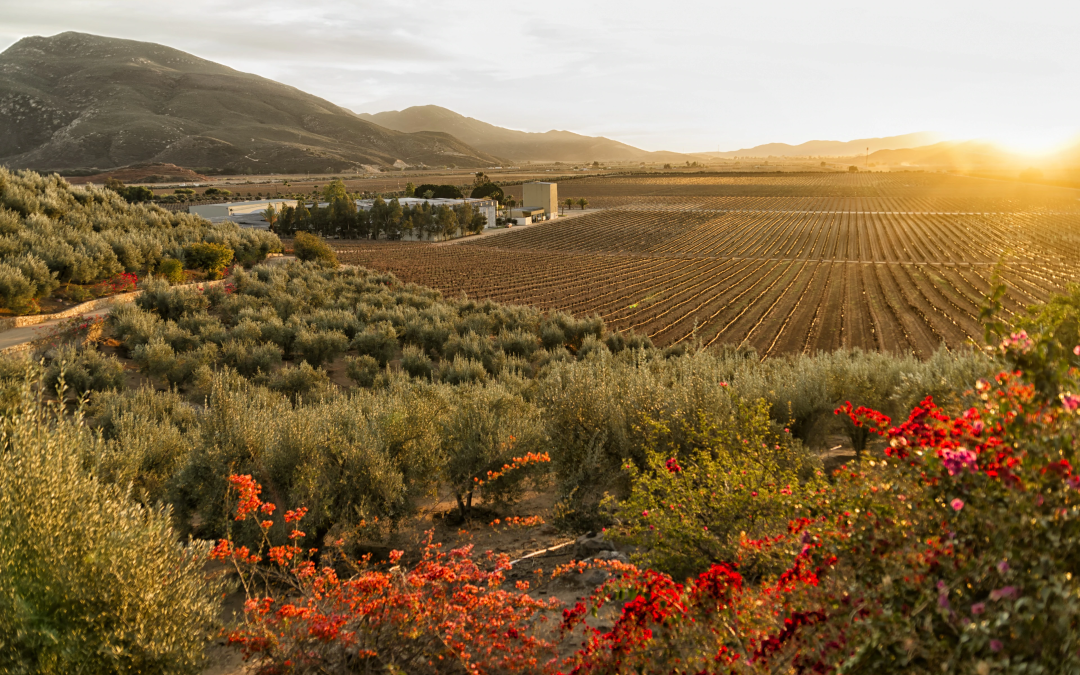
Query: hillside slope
{"type": "Point", "coordinates": [563, 146]}
{"type": "Point", "coordinates": [835, 148]}
{"type": "Point", "coordinates": [77, 101]}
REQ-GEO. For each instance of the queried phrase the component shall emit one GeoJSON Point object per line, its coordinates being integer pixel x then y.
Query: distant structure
{"type": "Point", "coordinates": [541, 196]}
{"type": "Point", "coordinates": [526, 215]}
{"type": "Point", "coordinates": [231, 210]}
{"type": "Point", "coordinates": [250, 213]}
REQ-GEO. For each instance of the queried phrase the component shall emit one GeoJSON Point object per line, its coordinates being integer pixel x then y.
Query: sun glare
{"type": "Point", "coordinates": [1035, 141]}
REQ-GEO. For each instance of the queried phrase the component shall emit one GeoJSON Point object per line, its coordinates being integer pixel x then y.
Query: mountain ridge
{"type": "Point", "coordinates": [553, 145]}
{"type": "Point", "coordinates": [75, 100]}
{"type": "Point", "coordinates": [836, 148]}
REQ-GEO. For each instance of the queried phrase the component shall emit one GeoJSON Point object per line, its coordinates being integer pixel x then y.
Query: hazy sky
{"type": "Point", "coordinates": [674, 75]}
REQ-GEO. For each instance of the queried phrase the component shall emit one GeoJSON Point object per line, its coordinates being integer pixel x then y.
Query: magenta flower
{"type": "Point", "coordinates": [957, 504]}
{"type": "Point", "coordinates": [1003, 567]}
{"type": "Point", "coordinates": [995, 645]}
{"type": "Point", "coordinates": [1005, 592]}
{"type": "Point", "coordinates": [978, 608]}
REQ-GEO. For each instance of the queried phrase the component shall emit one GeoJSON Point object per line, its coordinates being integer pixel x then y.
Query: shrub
{"type": "Point", "coordinates": [311, 247]}
{"type": "Point", "coordinates": [171, 303]}
{"type": "Point", "coordinates": [319, 346]}
{"type": "Point", "coordinates": [299, 381]}
{"type": "Point", "coordinates": [378, 341]}
{"type": "Point", "coordinates": [690, 506]}
{"type": "Point", "coordinates": [149, 436]}
{"type": "Point", "coordinates": [16, 291]}
{"type": "Point", "coordinates": [211, 258]}
{"type": "Point", "coordinates": [954, 550]}
{"type": "Point", "coordinates": [462, 370]}
{"type": "Point", "coordinates": [24, 279]}
{"type": "Point", "coordinates": [90, 582]}
{"type": "Point", "coordinates": [416, 363]}
{"type": "Point", "coordinates": [492, 439]}
{"type": "Point", "coordinates": [363, 370]}
{"type": "Point", "coordinates": [518, 343]}
{"type": "Point", "coordinates": [465, 622]}
{"type": "Point", "coordinates": [249, 357]}
{"type": "Point", "coordinates": [172, 270]}
{"type": "Point", "coordinates": [84, 371]}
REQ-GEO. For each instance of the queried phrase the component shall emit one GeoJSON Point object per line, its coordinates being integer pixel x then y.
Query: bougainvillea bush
{"type": "Point", "coordinates": [954, 552]}
{"type": "Point", "coordinates": [448, 613]}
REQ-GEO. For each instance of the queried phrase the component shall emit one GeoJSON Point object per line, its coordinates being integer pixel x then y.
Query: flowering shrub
{"type": "Point", "coordinates": [741, 479]}
{"type": "Point", "coordinates": [124, 282]}
{"type": "Point", "coordinates": [955, 553]}
{"type": "Point", "coordinates": [445, 614]}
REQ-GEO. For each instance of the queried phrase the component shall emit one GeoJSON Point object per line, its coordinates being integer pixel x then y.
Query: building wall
{"type": "Point", "coordinates": [542, 195]}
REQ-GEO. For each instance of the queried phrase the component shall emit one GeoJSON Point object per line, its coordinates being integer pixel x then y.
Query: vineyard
{"type": "Point", "coordinates": [798, 263]}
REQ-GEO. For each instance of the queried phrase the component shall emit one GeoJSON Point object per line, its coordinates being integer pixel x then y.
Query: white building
{"type": "Point", "coordinates": [216, 212]}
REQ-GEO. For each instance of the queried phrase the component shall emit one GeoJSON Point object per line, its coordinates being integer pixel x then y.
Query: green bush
{"type": "Point", "coordinates": [462, 370]}
{"type": "Point", "coordinates": [84, 370]}
{"type": "Point", "coordinates": [363, 370]}
{"type": "Point", "coordinates": [172, 270]}
{"type": "Point", "coordinates": [320, 346]}
{"type": "Point", "coordinates": [249, 357]}
{"type": "Point", "coordinates": [171, 303]}
{"type": "Point", "coordinates": [211, 258]}
{"type": "Point", "coordinates": [416, 363]}
{"type": "Point", "coordinates": [311, 247]}
{"type": "Point", "coordinates": [90, 582]}
{"type": "Point", "coordinates": [300, 381]}
{"type": "Point", "coordinates": [16, 291]}
{"type": "Point", "coordinates": [736, 476]}
{"type": "Point", "coordinates": [88, 234]}
{"type": "Point", "coordinates": [486, 428]}
{"type": "Point", "coordinates": [378, 341]}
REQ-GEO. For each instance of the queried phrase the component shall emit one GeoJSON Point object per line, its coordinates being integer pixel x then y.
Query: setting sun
{"type": "Point", "coordinates": [1034, 141]}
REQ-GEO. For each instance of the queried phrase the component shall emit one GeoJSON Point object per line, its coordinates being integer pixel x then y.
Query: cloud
{"type": "Point", "coordinates": [680, 75]}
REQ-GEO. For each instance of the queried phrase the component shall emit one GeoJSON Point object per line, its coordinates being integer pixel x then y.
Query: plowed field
{"type": "Point", "coordinates": [798, 263]}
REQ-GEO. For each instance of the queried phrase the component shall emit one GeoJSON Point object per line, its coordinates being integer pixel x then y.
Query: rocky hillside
{"type": "Point", "coordinates": [82, 101]}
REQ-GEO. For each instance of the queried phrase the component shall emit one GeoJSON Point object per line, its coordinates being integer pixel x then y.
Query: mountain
{"type": "Point", "coordinates": [561, 146]}
{"type": "Point", "coordinates": [78, 101]}
{"type": "Point", "coordinates": [835, 148]}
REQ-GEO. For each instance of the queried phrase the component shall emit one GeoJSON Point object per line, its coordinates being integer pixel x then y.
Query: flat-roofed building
{"type": "Point", "coordinates": [228, 209]}
{"type": "Point", "coordinates": [541, 195]}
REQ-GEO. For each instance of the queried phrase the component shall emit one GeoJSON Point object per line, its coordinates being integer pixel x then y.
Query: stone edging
{"type": "Point", "coordinates": [9, 323]}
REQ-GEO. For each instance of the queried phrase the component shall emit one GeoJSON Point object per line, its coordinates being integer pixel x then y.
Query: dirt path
{"type": "Point", "coordinates": [16, 338]}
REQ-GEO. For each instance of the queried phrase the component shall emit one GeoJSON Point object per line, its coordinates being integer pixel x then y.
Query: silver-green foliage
{"type": "Point", "coordinates": [86, 234]}
{"type": "Point", "coordinates": [90, 582]}
{"type": "Point", "coordinates": [83, 370]}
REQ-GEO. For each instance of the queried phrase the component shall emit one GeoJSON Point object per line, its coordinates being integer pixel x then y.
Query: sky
{"type": "Point", "coordinates": [673, 75]}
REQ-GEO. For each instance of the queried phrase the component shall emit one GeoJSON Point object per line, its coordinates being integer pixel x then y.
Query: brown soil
{"type": "Point", "coordinates": [144, 173]}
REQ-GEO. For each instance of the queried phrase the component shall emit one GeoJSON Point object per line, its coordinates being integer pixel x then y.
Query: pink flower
{"type": "Point", "coordinates": [995, 645]}
{"type": "Point", "coordinates": [978, 608]}
{"type": "Point", "coordinates": [957, 504]}
{"type": "Point", "coordinates": [1076, 350]}
{"type": "Point", "coordinates": [1069, 401]}
{"type": "Point", "coordinates": [1003, 567]}
{"type": "Point", "coordinates": [1005, 592]}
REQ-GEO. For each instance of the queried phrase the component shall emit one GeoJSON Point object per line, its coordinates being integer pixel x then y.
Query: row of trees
{"type": "Point", "coordinates": [341, 218]}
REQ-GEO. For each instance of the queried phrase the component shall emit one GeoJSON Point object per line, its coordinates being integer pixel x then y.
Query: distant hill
{"type": "Point", "coordinates": [553, 146]}
{"type": "Point", "coordinates": [80, 101]}
{"type": "Point", "coordinates": [835, 148]}
{"type": "Point", "coordinates": [954, 154]}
